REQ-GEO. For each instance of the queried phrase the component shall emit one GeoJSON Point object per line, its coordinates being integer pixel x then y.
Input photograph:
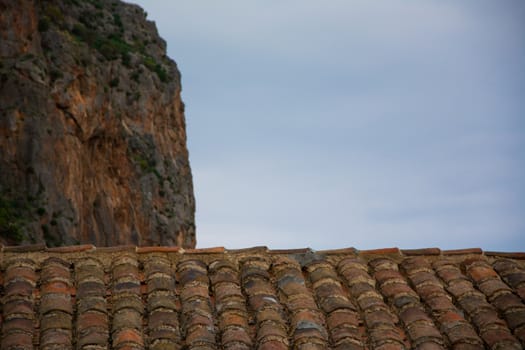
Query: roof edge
{"type": "Point", "coordinates": [258, 250]}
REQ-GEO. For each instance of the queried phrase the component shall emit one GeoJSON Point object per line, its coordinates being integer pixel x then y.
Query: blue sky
{"type": "Point", "coordinates": [329, 124]}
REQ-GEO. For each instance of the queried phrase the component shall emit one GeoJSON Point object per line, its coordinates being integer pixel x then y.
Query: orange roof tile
{"type": "Point", "coordinates": [215, 298]}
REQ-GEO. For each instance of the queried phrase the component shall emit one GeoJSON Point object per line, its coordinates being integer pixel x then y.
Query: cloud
{"type": "Point", "coordinates": [363, 208]}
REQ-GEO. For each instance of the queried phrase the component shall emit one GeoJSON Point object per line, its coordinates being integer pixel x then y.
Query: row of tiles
{"type": "Point", "coordinates": [41, 247]}
{"type": "Point", "coordinates": [263, 301]}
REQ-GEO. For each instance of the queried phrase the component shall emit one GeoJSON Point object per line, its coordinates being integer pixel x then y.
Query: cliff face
{"type": "Point", "coordinates": [92, 129]}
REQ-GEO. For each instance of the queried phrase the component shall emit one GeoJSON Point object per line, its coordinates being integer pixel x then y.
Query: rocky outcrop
{"type": "Point", "coordinates": [92, 128]}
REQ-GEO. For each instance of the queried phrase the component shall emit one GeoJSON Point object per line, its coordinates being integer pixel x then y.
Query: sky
{"type": "Point", "coordinates": [346, 123]}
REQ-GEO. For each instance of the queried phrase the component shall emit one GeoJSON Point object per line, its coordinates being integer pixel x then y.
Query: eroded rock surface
{"type": "Point", "coordinates": [92, 128]}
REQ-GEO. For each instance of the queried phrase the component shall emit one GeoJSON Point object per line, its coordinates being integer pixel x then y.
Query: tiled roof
{"type": "Point", "coordinates": [164, 298]}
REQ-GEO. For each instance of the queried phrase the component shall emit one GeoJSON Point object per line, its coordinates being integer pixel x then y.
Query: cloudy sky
{"type": "Point", "coordinates": [341, 123]}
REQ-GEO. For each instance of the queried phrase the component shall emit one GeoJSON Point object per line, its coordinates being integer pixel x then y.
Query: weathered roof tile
{"type": "Point", "coordinates": [17, 341]}
{"type": "Point", "coordinates": [56, 339]}
{"type": "Point", "coordinates": [72, 249]}
{"type": "Point", "coordinates": [465, 251]}
{"type": "Point", "coordinates": [164, 298]}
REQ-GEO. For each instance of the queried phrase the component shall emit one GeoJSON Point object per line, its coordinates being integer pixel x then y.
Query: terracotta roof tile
{"type": "Point", "coordinates": [231, 306]}
{"type": "Point", "coordinates": [382, 251]}
{"type": "Point", "coordinates": [19, 316]}
{"type": "Point", "coordinates": [458, 331]}
{"type": "Point", "coordinates": [406, 303]}
{"type": "Point", "coordinates": [346, 251]}
{"type": "Point", "coordinates": [510, 255]}
{"type": "Point", "coordinates": [289, 251]}
{"type": "Point", "coordinates": [424, 251]}
{"type": "Point", "coordinates": [168, 298]}
{"type": "Point", "coordinates": [72, 249]}
{"type": "Point", "coordinates": [92, 323]}
{"type": "Point", "coordinates": [117, 249]}
{"type": "Point", "coordinates": [491, 328]}
{"type": "Point", "coordinates": [462, 251]}
{"type": "Point", "coordinates": [512, 273]}
{"type": "Point", "coordinates": [25, 248]}
{"type": "Point", "coordinates": [250, 250]}
{"type": "Point", "coordinates": [145, 250]}
{"type": "Point", "coordinates": [212, 250]}
{"type": "Point", "coordinates": [379, 320]}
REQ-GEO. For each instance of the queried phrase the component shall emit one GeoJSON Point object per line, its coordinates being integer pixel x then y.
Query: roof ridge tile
{"type": "Point", "coordinates": [158, 249]}
{"type": "Point", "coordinates": [212, 250]}
{"type": "Point", "coordinates": [421, 251]}
{"type": "Point", "coordinates": [290, 251]}
{"type": "Point", "coordinates": [117, 249]}
{"type": "Point", "coordinates": [513, 255]}
{"type": "Point", "coordinates": [348, 250]}
{"type": "Point", "coordinates": [464, 251]}
{"type": "Point", "coordinates": [25, 248]}
{"type": "Point", "coordinates": [381, 251]}
{"type": "Point", "coordinates": [72, 248]}
{"type": "Point", "coordinates": [256, 249]}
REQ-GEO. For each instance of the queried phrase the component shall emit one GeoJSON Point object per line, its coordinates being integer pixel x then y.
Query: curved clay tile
{"type": "Point", "coordinates": [162, 298]}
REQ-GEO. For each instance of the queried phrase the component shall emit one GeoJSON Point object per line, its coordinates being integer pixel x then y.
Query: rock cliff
{"type": "Point", "coordinates": [92, 128]}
